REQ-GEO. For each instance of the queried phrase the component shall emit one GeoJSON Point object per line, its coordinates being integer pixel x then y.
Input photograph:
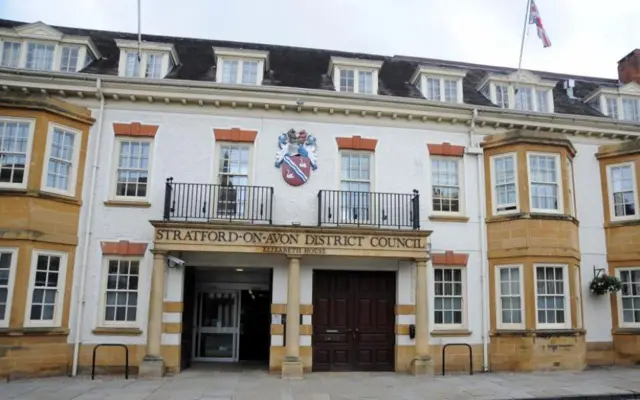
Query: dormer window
{"type": "Point", "coordinates": [354, 75]}
{"type": "Point", "coordinates": [42, 48]}
{"type": "Point", "coordinates": [524, 91]}
{"type": "Point", "coordinates": [240, 66]}
{"type": "Point", "coordinates": [439, 84]}
{"type": "Point", "coordinates": [617, 102]}
{"type": "Point", "coordinates": [155, 60]}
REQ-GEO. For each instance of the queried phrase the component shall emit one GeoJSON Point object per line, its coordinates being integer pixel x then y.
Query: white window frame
{"type": "Point", "coordinates": [11, 40]}
{"type": "Point", "coordinates": [465, 317]}
{"type": "Point", "coordinates": [498, 286]}
{"type": "Point", "coordinates": [567, 296]}
{"type": "Point", "coordinates": [55, 57]}
{"type": "Point", "coordinates": [79, 63]}
{"type": "Point", "coordinates": [560, 199]}
{"type": "Point", "coordinates": [32, 123]}
{"type": "Point", "coordinates": [4, 323]}
{"type": "Point", "coordinates": [572, 188]}
{"type": "Point", "coordinates": [461, 186]}
{"type": "Point", "coordinates": [356, 79]}
{"type": "Point", "coordinates": [216, 177]}
{"type": "Point", "coordinates": [62, 279]}
{"type": "Point", "coordinates": [73, 173]}
{"type": "Point", "coordinates": [103, 292]}
{"type": "Point", "coordinates": [240, 70]}
{"type": "Point", "coordinates": [142, 65]}
{"type": "Point", "coordinates": [442, 78]}
{"type": "Point", "coordinates": [339, 216]}
{"type": "Point", "coordinates": [612, 212]}
{"type": "Point", "coordinates": [494, 193]}
{"type": "Point", "coordinates": [577, 276]}
{"type": "Point", "coordinates": [621, 322]}
{"type": "Point", "coordinates": [511, 90]}
{"type": "Point", "coordinates": [115, 166]}
{"type": "Point", "coordinates": [337, 64]}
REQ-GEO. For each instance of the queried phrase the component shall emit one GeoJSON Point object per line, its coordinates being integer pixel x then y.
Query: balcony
{"type": "Point", "coordinates": [196, 202]}
{"type": "Point", "coordinates": [369, 209]}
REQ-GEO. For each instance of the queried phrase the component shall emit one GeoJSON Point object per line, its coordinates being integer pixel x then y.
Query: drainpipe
{"type": "Point", "coordinates": [484, 271]}
{"type": "Point", "coordinates": [87, 235]}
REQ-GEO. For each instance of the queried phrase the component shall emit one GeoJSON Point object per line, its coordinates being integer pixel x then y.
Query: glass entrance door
{"type": "Point", "coordinates": [217, 324]}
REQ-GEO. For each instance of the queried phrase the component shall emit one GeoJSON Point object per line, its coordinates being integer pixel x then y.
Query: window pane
{"type": "Point", "coordinates": [11, 54]}
{"type": "Point", "coordinates": [365, 82]}
{"type": "Point", "coordinates": [630, 296]}
{"type": "Point", "coordinates": [69, 59]}
{"type": "Point", "coordinates": [550, 294]}
{"type": "Point", "coordinates": [450, 91]}
{"type": "Point", "coordinates": [40, 56]}
{"type": "Point", "coordinates": [154, 65]}
{"type": "Point", "coordinates": [433, 89]}
{"type": "Point", "coordinates": [448, 296]}
{"type": "Point", "coordinates": [60, 162]}
{"type": "Point", "coordinates": [347, 80]}
{"type": "Point", "coordinates": [524, 98]}
{"type": "Point", "coordinates": [541, 99]}
{"type": "Point", "coordinates": [45, 288]}
{"type": "Point", "coordinates": [132, 68]}
{"type": "Point", "coordinates": [249, 72]}
{"type": "Point", "coordinates": [121, 297]}
{"type": "Point", "coordinates": [445, 185]}
{"type": "Point", "coordinates": [623, 190]}
{"type": "Point", "coordinates": [133, 169]}
{"type": "Point", "coordinates": [229, 71]}
{"type": "Point", "coordinates": [505, 183]}
{"type": "Point", "coordinates": [502, 96]}
{"type": "Point", "coordinates": [631, 109]}
{"type": "Point", "coordinates": [544, 175]}
{"type": "Point", "coordinates": [14, 137]}
{"type": "Point", "coordinates": [510, 295]}
{"type": "Point", "coordinates": [612, 107]}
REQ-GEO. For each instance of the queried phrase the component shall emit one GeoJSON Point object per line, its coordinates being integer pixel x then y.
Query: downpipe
{"type": "Point", "coordinates": [88, 232]}
{"type": "Point", "coordinates": [484, 270]}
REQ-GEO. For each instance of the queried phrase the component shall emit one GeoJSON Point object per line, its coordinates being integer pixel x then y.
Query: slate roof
{"type": "Point", "coordinates": [307, 68]}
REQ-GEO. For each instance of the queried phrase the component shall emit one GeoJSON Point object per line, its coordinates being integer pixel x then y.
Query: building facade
{"type": "Point", "coordinates": [310, 210]}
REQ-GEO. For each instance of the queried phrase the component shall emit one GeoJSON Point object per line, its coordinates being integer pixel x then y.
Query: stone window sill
{"type": "Point", "coordinates": [535, 215]}
{"type": "Point", "coordinates": [33, 332]}
{"type": "Point", "coordinates": [40, 194]}
{"type": "Point", "coordinates": [446, 333]}
{"type": "Point", "coordinates": [109, 331]}
{"type": "Point", "coordinates": [630, 222]}
{"type": "Point", "coordinates": [540, 332]}
{"type": "Point", "coordinates": [132, 204]}
{"type": "Point", "coordinates": [448, 218]}
{"type": "Point", "coordinates": [626, 331]}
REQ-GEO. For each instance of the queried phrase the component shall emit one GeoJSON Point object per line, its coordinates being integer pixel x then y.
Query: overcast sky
{"type": "Point", "coordinates": [588, 36]}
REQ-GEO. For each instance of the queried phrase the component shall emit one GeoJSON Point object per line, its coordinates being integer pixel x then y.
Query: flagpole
{"type": "Point", "coordinates": [524, 33]}
{"type": "Point", "coordinates": [139, 32]}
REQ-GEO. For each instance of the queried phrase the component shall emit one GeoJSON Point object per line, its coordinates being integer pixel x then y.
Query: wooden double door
{"type": "Point", "coordinates": [353, 320]}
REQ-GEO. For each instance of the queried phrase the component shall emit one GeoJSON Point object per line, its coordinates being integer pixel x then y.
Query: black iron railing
{"type": "Point", "coordinates": [197, 202]}
{"type": "Point", "coordinates": [383, 210]}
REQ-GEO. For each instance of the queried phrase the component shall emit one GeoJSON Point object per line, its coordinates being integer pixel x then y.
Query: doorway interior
{"type": "Point", "coordinates": [230, 315]}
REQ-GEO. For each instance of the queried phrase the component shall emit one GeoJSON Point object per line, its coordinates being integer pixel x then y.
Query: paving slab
{"type": "Point", "coordinates": [211, 383]}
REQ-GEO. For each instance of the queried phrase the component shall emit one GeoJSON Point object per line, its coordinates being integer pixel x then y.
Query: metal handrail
{"type": "Point", "coordinates": [200, 202]}
{"type": "Point", "coordinates": [444, 361]}
{"type": "Point", "coordinates": [375, 209]}
{"type": "Point", "coordinates": [126, 358]}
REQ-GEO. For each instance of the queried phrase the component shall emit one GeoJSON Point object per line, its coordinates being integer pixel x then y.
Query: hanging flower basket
{"type": "Point", "coordinates": [603, 284]}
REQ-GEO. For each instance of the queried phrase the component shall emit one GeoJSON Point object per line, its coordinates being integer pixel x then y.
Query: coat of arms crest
{"type": "Point", "coordinates": [296, 156]}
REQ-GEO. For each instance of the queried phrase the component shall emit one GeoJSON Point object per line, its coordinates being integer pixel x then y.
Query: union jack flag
{"type": "Point", "coordinates": [534, 18]}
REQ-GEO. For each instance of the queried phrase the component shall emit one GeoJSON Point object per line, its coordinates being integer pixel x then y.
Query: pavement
{"type": "Point", "coordinates": [224, 384]}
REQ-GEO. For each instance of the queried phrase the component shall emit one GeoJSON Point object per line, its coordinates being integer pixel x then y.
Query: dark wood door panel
{"type": "Point", "coordinates": [354, 321]}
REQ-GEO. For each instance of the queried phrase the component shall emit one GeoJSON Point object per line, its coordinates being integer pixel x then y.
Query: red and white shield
{"type": "Point", "coordinates": [296, 170]}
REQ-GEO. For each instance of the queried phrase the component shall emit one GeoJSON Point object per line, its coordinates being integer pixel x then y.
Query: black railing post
{"type": "Point", "coordinates": [444, 363]}
{"type": "Point", "coordinates": [320, 207]}
{"type": "Point", "coordinates": [416, 209]}
{"type": "Point", "coordinates": [126, 358]}
{"type": "Point", "coordinates": [168, 189]}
